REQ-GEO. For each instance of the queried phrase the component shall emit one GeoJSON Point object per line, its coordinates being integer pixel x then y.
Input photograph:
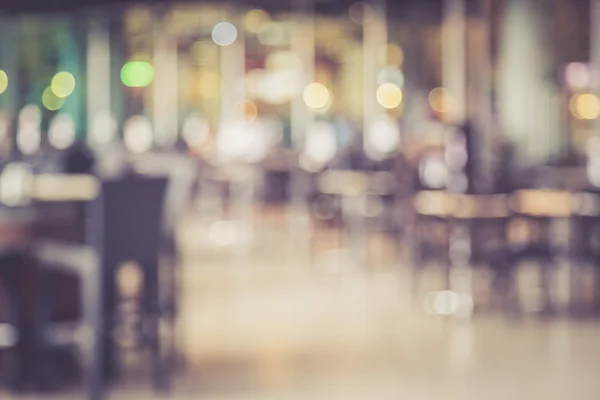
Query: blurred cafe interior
{"type": "Point", "coordinates": [300, 199]}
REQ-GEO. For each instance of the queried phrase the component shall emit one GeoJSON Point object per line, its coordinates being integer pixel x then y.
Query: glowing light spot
{"type": "Point", "coordinates": [51, 101]}
{"type": "Point", "coordinates": [63, 84]}
{"type": "Point", "coordinates": [283, 60]}
{"type": "Point", "coordinates": [248, 109]}
{"type": "Point", "coordinates": [104, 128]}
{"type": "Point", "coordinates": [3, 81]}
{"type": "Point", "coordinates": [137, 74]}
{"type": "Point", "coordinates": [255, 21]}
{"type": "Point", "coordinates": [440, 100]}
{"type": "Point", "coordinates": [389, 95]}
{"type": "Point", "coordinates": [137, 134]}
{"type": "Point", "coordinates": [577, 75]}
{"type": "Point", "coordinates": [195, 130]}
{"type": "Point", "coordinates": [61, 133]}
{"type": "Point", "coordinates": [278, 87]}
{"type": "Point", "coordinates": [383, 139]}
{"type": "Point", "coordinates": [317, 96]}
{"type": "Point", "coordinates": [585, 106]}
{"type": "Point", "coordinates": [224, 33]}
{"type": "Point", "coordinates": [320, 145]}
{"type": "Point", "coordinates": [391, 55]}
{"type": "Point", "coordinates": [209, 85]}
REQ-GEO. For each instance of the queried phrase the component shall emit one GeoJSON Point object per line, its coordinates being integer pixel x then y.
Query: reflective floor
{"type": "Point", "coordinates": [266, 320]}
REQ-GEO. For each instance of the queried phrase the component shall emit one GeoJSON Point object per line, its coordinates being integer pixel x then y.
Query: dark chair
{"type": "Point", "coordinates": [124, 224]}
{"type": "Point", "coordinates": [84, 335]}
{"type": "Point", "coordinates": [131, 224]}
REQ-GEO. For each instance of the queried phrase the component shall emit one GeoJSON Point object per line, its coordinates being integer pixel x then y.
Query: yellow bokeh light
{"type": "Point", "coordinates": [209, 85]}
{"type": "Point", "coordinates": [440, 100]}
{"type": "Point", "coordinates": [256, 21]}
{"type": "Point", "coordinates": [51, 101]}
{"type": "Point", "coordinates": [391, 55]}
{"type": "Point", "coordinates": [62, 84]}
{"type": "Point", "coordinates": [389, 95]}
{"type": "Point", "coordinates": [585, 106]}
{"type": "Point", "coordinates": [248, 108]}
{"type": "Point", "coordinates": [3, 81]}
{"type": "Point", "coordinates": [316, 96]}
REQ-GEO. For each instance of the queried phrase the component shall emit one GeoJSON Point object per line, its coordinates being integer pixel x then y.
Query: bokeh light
{"type": "Point", "coordinates": [383, 138]}
{"type": "Point", "coordinates": [137, 134]}
{"type": "Point", "coordinates": [585, 106]}
{"type": "Point", "coordinates": [209, 85]}
{"type": "Point", "coordinates": [3, 81]}
{"type": "Point", "coordinates": [63, 84]}
{"type": "Point", "coordinates": [389, 95]}
{"type": "Point", "coordinates": [51, 101]}
{"type": "Point", "coordinates": [195, 130]}
{"type": "Point", "coordinates": [61, 133]}
{"type": "Point", "coordinates": [224, 33]}
{"type": "Point", "coordinates": [255, 21]}
{"type": "Point", "coordinates": [440, 100]}
{"type": "Point", "coordinates": [317, 96]}
{"type": "Point", "coordinates": [137, 74]}
{"type": "Point", "coordinates": [391, 55]}
{"type": "Point", "coordinates": [104, 128]}
{"type": "Point", "coordinates": [577, 75]}
{"type": "Point", "coordinates": [320, 145]}
{"type": "Point", "coordinates": [248, 109]}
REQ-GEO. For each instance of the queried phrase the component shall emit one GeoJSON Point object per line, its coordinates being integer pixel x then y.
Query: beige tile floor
{"type": "Point", "coordinates": [269, 322]}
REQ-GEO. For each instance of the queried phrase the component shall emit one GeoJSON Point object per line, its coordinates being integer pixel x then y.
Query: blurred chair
{"type": "Point", "coordinates": [86, 334]}
{"type": "Point", "coordinates": [131, 219]}
{"type": "Point", "coordinates": [11, 330]}
{"type": "Point", "coordinates": [124, 224]}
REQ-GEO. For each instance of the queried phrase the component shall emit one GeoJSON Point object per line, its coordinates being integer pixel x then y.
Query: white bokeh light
{"type": "Point", "coordinates": [195, 130]}
{"type": "Point", "coordinates": [242, 142]}
{"type": "Point", "coordinates": [383, 138]}
{"type": "Point", "coordinates": [224, 33]}
{"type": "Point", "coordinates": [104, 128]}
{"type": "Point", "coordinates": [137, 134]}
{"type": "Point", "coordinates": [320, 145]}
{"type": "Point", "coordinates": [61, 133]}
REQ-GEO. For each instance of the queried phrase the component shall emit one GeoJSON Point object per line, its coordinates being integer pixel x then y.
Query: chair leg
{"type": "Point", "coordinates": [152, 310]}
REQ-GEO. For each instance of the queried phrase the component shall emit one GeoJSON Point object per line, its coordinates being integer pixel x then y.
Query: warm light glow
{"type": "Point", "coordinates": [51, 101]}
{"type": "Point", "coordinates": [248, 108]}
{"type": "Point", "coordinates": [275, 34]}
{"type": "Point", "coordinates": [61, 133]}
{"type": "Point", "coordinates": [137, 74]}
{"type": "Point", "coordinates": [255, 21]}
{"type": "Point", "coordinates": [209, 85]}
{"type": "Point", "coordinates": [62, 84]}
{"type": "Point", "coordinates": [389, 95]}
{"type": "Point", "coordinates": [440, 100]}
{"type": "Point", "coordinates": [317, 96]}
{"type": "Point", "coordinates": [224, 33]}
{"type": "Point", "coordinates": [391, 55]}
{"type": "Point", "coordinates": [3, 81]}
{"type": "Point", "coordinates": [360, 12]}
{"type": "Point", "coordinates": [585, 106]}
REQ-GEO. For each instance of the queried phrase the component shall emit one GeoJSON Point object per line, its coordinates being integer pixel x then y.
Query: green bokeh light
{"type": "Point", "coordinates": [137, 74]}
{"type": "Point", "coordinates": [3, 81]}
{"type": "Point", "coordinates": [51, 101]}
